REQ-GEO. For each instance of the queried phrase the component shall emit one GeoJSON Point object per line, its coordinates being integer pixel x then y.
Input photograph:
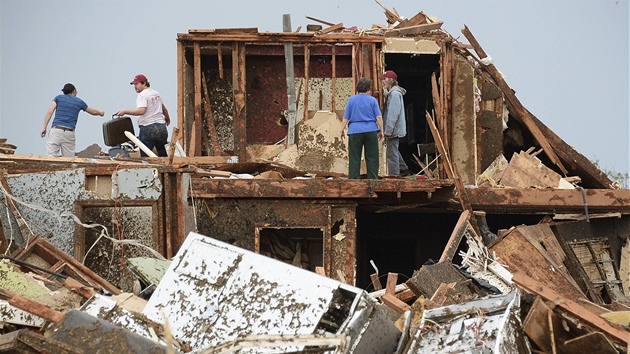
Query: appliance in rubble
{"type": "Point", "coordinates": [114, 135]}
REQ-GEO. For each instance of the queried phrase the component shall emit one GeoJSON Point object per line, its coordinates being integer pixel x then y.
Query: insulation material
{"type": "Point", "coordinates": [320, 146]}
{"type": "Point", "coordinates": [215, 293]}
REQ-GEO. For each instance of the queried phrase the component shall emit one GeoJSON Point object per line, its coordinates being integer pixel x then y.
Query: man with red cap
{"type": "Point", "coordinates": [153, 116]}
{"type": "Point", "coordinates": [395, 124]}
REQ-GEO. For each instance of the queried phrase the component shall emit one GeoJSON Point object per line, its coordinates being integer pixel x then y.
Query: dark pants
{"type": "Point", "coordinates": [154, 135]}
{"type": "Point", "coordinates": [367, 143]}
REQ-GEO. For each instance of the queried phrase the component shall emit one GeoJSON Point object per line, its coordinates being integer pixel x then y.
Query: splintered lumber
{"type": "Point", "coordinates": [390, 287]}
{"type": "Point", "coordinates": [320, 21]}
{"type": "Point", "coordinates": [440, 145]}
{"type": "Point", "coordinates": [395, 304]}
{"type": "Point", "coordinates": [31, 306]}
{"type": "Point", "coordinates": [520, 255]}
{"type": "Point", "coordinates": [333, 28]}
{"type": "Point", "coordinates": [523, 114]}
{"type": "Point", "coordinates": [456, 237]}
{"type": "Point", "coordinates": [411, 30]}
{"type": "Point", "coordinates": [173, 145]}
{"type": "Point", "coordinates": [534, 287]}
{"type": "Point", "coordinates": [442, 293]}
{"type": "Point", "coordinates": [376, 283]}
{"type": "Point", "coordinates": [525, 171]}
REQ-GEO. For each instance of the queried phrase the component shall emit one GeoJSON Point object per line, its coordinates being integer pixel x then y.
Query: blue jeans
{"type": "Point", "coordinates": [154, 135]}
{"type": "Point", "coordinates": [395, 162]}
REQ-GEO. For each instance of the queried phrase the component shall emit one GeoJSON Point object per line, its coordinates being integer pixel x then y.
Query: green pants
{"type": "Point", "coordinates": [367, 142]}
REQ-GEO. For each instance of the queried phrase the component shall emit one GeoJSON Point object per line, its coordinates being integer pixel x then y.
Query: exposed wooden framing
{"type": "Point", "coordinates": [181, 61]}
{"type": "Point", "coordinates": [354, 66]}
{"type": "Point", "coordinates": [290, 79]}
{"type": "Point", "coordinates": [197, 127]}
{"type": "Point", "coordinates": [366, 56]}
{"type": "Point", "coordinates": [437, 103]}
{"type": "Point", "coordinates": [307, 61]}
{"type": "Point", "coordinates": [523, 114]}
{"type": "Point", "coordinates": [309, 188]}
{"type": "Point", "coordinates": [209, 118]}
{"type": "Point", "coordinates": [333, 99]}
{"type": "Point", "coordinates": [173, 145]}
{"type": "Point", "coordinates": [198, 160]}
{"type": "Point", "coordinates": [168, 215]}
{"type": "Point", "coordinates": [238, 85]}
{"type": "Point", "coordinates": [575, 309]}
{"type": "Point", "coordinates": [220, 60]}
{"type": "Point", "coordinates": [281, 37]}
{"type": "Point", "coordinates": [374, 69]}
{"type": "Point", "coordinates": [456, 237]}
{"type": "Point", "coordinates": [549, 200]}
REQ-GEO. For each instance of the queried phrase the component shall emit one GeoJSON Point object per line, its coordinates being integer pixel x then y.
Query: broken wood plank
{"type": "Point", "coordinates": [412, 30]}
{"type": "Point", "coordinates": [23, 226]}
{"type": "Point", "coordinates": [195, 142]}
{"type": "Point", "coordinates": [173, 145]}
{"type": "Point", "coordinates": [526, 171]}
{"type": "Point", "coordinates": [333, 28]}
{"type": "Point", "coordinates": [531, 286]}
{"type": "Point", "coordinates": [320, 271]}
{"type": "Point", "coordinates": [376, 282]}
{"type": "Point", "coordinates": [441, 294]}
{"type": "Point", "coordinates": [523, 114]}
{"type": "Point", "coordinates": [543, 201]}
{"type": "Point", "coordinates": [417, 19]}
{"type": "Point", "coordinates": [31, 306]}
{"type": "Point", "coordinates": [456, 237]}
{"type": "Point", "coordinates": [395, 304]}
{"type": "Point", "coordinates": [390, 285]}
{"type": "Point", "coordinates": [320, 21]}
{"type": "Point", "coordinates": [440, 145]}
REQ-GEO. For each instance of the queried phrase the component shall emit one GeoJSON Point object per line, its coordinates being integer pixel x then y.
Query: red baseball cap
{"type": "Point", "coordinates": [390, 74]}
{"type": "Point", "coordinates": [141, 78]}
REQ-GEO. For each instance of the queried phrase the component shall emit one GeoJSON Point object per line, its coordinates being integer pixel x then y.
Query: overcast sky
{"type": "Point", "coordinates": [566, 60]}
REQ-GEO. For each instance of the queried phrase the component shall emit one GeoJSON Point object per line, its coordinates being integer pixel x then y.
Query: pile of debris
{"type": "Point", "coordinates": [514, 296]}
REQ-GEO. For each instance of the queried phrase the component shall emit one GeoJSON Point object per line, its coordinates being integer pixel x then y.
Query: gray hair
{"type": "Point", "coordinates": [364, 85]}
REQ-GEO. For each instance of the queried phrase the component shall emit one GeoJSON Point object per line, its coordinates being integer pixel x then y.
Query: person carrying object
{"type": "Point", "coordinates": [395, 124]}
{"type": "Point", "coordinates": [153, 117]}
{"type": "Point", "coordinates": [365, 128]}
{"type": "Point", "coordinates": [61, 138]}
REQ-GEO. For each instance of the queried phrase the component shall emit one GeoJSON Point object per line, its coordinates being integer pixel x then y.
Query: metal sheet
{"type": "Point", "coordinates": [215, 293]}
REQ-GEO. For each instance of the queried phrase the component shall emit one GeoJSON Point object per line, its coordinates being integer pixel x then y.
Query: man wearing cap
{"type": "Point", "coordinates": [61, 139]}
{"type": "Point", "coordinates": [395, 124]}
{"type": "Point", "coordinates": [153, 116]}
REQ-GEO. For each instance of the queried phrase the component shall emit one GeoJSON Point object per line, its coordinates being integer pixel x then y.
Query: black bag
{"type": "Point", "coordinates": [114, 130]}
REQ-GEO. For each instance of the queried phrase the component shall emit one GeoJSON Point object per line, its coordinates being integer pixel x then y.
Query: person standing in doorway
{"type": "Point", "coordinates": [364, 121]}
{"type": "Point", "coordinates": [61, 139]}
{"type": "Point", "coordinates": [153, 116]}
{"type": "Point", "coordinates": [395, 124]}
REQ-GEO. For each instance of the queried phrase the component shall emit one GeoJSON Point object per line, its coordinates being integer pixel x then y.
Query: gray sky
{"type": "Point", "coordinates": [566, 60]}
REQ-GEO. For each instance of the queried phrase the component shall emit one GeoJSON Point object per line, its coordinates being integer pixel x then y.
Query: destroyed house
{"type": "Point", "coordinates": [262, 170]}
{"type": "Point", "coordinates": [274, 101]}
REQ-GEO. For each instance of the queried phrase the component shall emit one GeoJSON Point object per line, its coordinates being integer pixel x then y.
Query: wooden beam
{"type": "Point", "coordinates": [307, 61]}
{"type": "Point", "coordinates": [440, 145]}
{"type": "Point", "coordinates": [393, 302]}
{"type": "Point", "coordinates": [531, 286]}
{"type": "Point", "coordinates": [240, 116]}
{"type": "Point", "coordinates": [411, 30]}
{"type": "Point", "coordinates": [220, 60]}
{"type": "Point", "coordinates": [549, 200]}
{"type": "Point", "coordinates": [306, 188]}
{"type": "Point", "coordinates": [390, 286]}
{"type": "Point", "coordinates": [195, 144]}
{"type": "Point", "coordinates": [523, 114]}
{"type": "Point", "coordinates": [456, 237]}
{"type": "Point", "coordinates": [290, 80]}
{"type": "Point", "coordinates": [198, 160]}
{"type": "Point", "coordinates": [376, 282]}
{"type": "Point", "coordinates": [320, 21]}
{"type": "Point", "coordinates": [181, 61]}
{"type": "Point", "coordinates": [173, 145]}
{"type": "Point", "coordinates": [333, 28]}
{"type": "Point", "coordinates": [333, 99]}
